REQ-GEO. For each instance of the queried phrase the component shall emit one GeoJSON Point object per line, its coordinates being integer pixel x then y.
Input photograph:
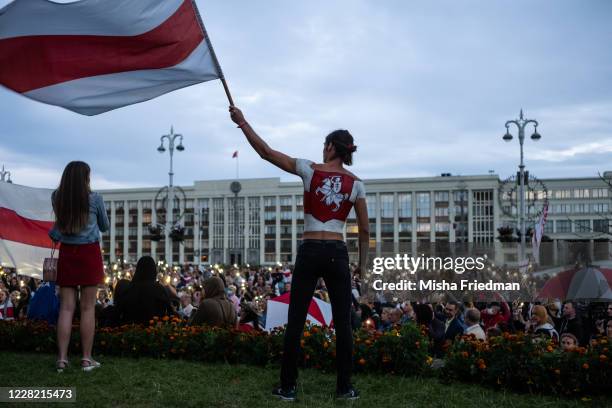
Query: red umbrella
{"type": "Point", "coordinates": [590, 282]}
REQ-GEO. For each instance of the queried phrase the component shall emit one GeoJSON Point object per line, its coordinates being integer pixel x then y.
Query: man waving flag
{"type": "Point", "coordinates": [97, 55]}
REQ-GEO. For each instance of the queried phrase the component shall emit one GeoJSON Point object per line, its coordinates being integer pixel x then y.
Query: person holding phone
{"type": "Point", "coordinates": [330, 192]}
{"type": "Point", "coordinates": [80, 216]}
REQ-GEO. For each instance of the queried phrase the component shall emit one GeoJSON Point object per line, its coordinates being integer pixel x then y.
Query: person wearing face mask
{"type": "Point", "coordinates": [497, 312]}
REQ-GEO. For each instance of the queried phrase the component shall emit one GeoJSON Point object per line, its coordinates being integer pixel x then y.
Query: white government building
{"type": "Point", "coordinates": [407, 215]}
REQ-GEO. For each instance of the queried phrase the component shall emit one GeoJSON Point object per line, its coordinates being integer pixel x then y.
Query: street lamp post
{"type": "Point", "coordinates": [170, 203]}
{"type": "Point", "coordinates": [5, 175]}
{"type": "Point", "coordinates": [521, 123]}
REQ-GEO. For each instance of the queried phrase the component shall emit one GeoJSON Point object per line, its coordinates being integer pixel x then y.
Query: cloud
{"type": "Point", "coordinates": [424, 87]}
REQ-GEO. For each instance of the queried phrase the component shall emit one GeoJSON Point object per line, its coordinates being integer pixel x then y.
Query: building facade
{"type": "Point", "coordinates": [263, 223]}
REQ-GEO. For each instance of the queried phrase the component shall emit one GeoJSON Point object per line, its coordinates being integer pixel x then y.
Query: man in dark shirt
{"type": "Point", "coordinates": [571, 323]}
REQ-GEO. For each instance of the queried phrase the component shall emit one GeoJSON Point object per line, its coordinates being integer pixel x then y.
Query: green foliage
{"type": "Point", "coordinates": [536, 365]}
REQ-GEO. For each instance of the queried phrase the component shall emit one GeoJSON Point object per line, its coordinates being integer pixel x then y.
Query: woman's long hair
{"type": "Point", "coordinates": [71, 199]}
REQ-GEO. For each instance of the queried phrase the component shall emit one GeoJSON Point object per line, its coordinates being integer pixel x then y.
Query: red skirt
{"type": "Point", "coordinates": [80, 265]}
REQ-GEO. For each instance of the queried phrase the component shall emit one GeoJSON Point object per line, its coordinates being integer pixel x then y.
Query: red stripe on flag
{"type": "Point", "coordinates": [32, 62]}
{"type": "Point", "coordinates": [14, 227]}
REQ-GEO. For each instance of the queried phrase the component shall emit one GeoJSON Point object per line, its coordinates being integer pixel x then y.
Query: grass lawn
{"type": "Point", "coordinates": [126, 382]}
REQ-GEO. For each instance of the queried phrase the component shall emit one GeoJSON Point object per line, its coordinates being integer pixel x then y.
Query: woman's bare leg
{"type": "Point", "coordinates": [64, 322]}
{"type": "Point", "coordinates": [88, 318]}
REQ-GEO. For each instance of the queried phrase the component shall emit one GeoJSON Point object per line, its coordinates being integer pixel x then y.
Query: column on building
{"type": "Point", "coordinates": [225, 230]}
{"type": "Point", "coordinates": [113, 230]}
{"type": "Point", "coordinates": [278, 231]}
{"type": "Point", "coordinates": [197, 221]}
{"type": "Point", "coordinates": [153, 222]}
{"type": "Point", "coordinates": [414, 245]}
{"type": "Point", "coordinates": [139, 230]}
{"type": "Point", "coordinates": [432, 216]}
{"type": "Point", "coordinates": [181, 248]}
{"type": "Point", "coordinates": [451, 217]}
{"type": "Point", "coordinates": [395, 223]}
{"type": "Point", "coordinates": [293, 228]}
{"type": "Point", "coordinates": [470, 216]}
{"type": "Point", "coordinates": [262, 231]}
{"type": "Point", "coordinates": [378, 226]}
{"type": "Point", "coordinates": [246, 229]}
{"type": "Point", "coordinates": [126, 231]}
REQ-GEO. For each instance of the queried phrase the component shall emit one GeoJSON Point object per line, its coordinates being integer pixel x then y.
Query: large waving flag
{"type": "Point", "coordinates": [92, 56]}
{"type": "Point", "coordinates": [26, 216]}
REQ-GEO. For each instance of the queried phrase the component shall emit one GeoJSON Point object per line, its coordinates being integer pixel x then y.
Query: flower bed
{"type": "Point", "coordinates": [516, 362]}
{"type": "Point", "coordinates": [511, 362]}
{"type": "Point", "coordinates": [402, 351]}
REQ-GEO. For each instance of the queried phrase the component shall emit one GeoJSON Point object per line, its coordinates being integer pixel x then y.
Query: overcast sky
{"type": "Point", "coordinates": [425, 87]}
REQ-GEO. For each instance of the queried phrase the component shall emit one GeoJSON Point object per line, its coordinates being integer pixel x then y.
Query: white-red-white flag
{"type": "Point", "coordinates": [26, 216]}
{"type": "Point", "coordinates": [93, 56]}
{"type": "Point", "coordinates": [538, 232]}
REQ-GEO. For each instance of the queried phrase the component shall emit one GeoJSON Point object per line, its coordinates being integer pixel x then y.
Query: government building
{"type": "Point", "coordinates": [262, 223]}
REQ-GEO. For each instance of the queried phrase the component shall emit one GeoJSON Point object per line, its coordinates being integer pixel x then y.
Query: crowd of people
{"type": "Point", "coordinates": [237, 297]}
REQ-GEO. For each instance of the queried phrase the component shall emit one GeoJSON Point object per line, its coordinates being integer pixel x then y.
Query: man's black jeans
{"type": "Point", "coordinates": [327, 259]}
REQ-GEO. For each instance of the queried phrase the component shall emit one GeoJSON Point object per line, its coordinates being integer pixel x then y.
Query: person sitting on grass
{"type": "Point", "coordinates": [144, 297]}
{"type": "Point", "coordinates": [215, 309]}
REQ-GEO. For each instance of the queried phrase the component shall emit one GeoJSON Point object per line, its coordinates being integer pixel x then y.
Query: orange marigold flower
{"type": "Point", "coordinates": [325, 344]}
{"type": "Point", "coordinates": [306, 334]}
{"type": "Point", "coordinates": [550, 349]}
{"type": "Point", "coordinates": [165, 318]}
{"type": "Point", "coordinates": [585, 366]}
{"type": "Point", "coordinates": [362, 361]}
{"type": "Point", "coordinates": [151, 321]}
{"type": "Point", "coordinates": [557, 371]}
{"type": "Point", "coordinates": [465, 354]}
{"type": "Point", "coordinates": [603, 357]}
{"type": "Point", "coordinates": [315, 329]}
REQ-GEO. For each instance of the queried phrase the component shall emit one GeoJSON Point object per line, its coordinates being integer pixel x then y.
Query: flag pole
{"type": "Point", "coordinates": [212, 54]}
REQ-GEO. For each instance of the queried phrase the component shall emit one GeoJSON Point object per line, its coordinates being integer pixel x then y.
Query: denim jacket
{"type": "Point", "coordinates": [98, 222]}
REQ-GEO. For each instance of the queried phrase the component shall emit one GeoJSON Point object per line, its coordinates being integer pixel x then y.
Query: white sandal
{"type": "Point", "coordinates": [92, 364]}
{"type": "Point", "coordinates": [62, 367]}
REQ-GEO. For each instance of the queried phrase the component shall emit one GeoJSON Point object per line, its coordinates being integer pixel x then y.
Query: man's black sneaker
{"type": "Point", "coordinates": [350, 395]}
{"type": "Point", "coordinates": [285, 394]}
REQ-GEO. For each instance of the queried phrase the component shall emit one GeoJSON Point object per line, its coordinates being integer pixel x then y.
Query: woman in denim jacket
{"type": "Point", "coordinates": [79, 218]}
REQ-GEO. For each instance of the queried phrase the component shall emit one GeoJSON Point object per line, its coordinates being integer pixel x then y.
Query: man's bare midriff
{"type": "Point", "coordinates": [322, 235]}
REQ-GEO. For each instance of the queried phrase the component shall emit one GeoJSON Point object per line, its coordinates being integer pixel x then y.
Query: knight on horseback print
{"type": "Point", "coordinates": [330, 189]}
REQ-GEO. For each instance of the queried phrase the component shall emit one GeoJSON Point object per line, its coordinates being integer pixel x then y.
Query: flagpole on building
{"type": "Point", "coordinates": [212, 54]}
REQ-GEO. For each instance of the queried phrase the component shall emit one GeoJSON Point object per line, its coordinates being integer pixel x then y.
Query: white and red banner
{"type": "Point", "coordinates": [92, 56]}
{"type": "Point", "coordinates": [26, 216]}
{"type": "Point", "coordinates": [538, 232]}
{"type": "Point", "coordinates": [319, 312]}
